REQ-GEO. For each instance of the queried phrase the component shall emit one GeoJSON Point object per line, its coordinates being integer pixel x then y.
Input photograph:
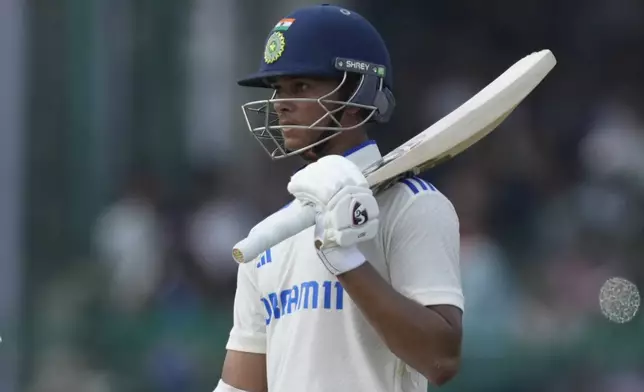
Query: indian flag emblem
{"type": "Point", "coordinates": [284, 24]}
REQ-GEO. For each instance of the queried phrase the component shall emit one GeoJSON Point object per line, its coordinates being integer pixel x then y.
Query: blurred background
{"type": "Point", "coordinates": [127, 174]}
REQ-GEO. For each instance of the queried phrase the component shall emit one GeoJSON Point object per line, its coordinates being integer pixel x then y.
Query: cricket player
{"type": "Point", "coordinates": [369, 298]}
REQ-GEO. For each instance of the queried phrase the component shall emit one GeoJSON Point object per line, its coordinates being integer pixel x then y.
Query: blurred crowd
{"type": "Point", "coordinates": [551, 206]}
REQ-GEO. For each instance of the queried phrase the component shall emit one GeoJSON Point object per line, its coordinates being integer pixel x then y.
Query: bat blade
{"type": "Point", "coordinates": [468, 123]}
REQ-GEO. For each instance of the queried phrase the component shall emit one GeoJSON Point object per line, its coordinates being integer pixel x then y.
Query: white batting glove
{"type": "Point", "coordinates": [319, 181]}
{"type": "Point", "coordinates": [347, 210]}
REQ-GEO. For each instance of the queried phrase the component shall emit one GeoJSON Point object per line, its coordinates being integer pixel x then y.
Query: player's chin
{"type": "Point", "coordinates": [293, 144]}
{"type": "Point", "coordinates": [295, 139]}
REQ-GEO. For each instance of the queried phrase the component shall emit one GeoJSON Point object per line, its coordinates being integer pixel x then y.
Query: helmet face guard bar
{"type": "Point", "coordinates": [263, 123]}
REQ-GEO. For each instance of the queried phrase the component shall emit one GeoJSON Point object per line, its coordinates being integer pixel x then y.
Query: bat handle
{"type": "Point", "coordinates": [276, 228]}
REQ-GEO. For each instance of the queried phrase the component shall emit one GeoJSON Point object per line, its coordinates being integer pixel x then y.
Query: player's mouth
{"type": "Point", "coordinates": [289, 128]}
{"type": "Point", "coordinates": [288, 132]}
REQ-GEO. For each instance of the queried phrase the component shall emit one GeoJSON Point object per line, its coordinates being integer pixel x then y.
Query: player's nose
{"type": "Point", "coordinates": [283, 106]}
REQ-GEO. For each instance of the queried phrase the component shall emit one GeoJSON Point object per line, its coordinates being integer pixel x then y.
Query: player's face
{"type": "Point", "coordinates": [301, 113]}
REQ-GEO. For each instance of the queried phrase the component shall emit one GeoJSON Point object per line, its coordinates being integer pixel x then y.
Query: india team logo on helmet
{"type": "Point", "coordinates": [274, 47]}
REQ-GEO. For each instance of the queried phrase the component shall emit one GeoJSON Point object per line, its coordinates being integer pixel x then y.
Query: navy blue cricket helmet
{"type": "Point", "coordinates": [324, 41]}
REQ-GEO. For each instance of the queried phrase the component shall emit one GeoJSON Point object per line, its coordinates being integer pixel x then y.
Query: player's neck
{"type": "Point", "coordinates": [339, 144]}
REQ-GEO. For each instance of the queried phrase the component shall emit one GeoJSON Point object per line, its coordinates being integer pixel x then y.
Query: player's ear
{"type": "Point", "coordinates": [357, 115]}
{"type": "Point", "coordinates": [352, 110]}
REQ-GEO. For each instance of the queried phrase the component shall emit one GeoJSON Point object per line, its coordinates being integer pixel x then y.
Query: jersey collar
{"type": "Point", "coordinates": [364, 155]}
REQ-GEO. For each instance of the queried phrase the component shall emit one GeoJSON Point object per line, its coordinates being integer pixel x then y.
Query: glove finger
{"type": "Point", "coordinates": [350, 172]}
{"type": "Point", "coordinates": [326, 177]}
{"type": "Point", "coordinates": [321, 192]}
{"type": "Point", "coordinates": [309, 200]}
{"type": "Point", "coordinates": [350, 191]}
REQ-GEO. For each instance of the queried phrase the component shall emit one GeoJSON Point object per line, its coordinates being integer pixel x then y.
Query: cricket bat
{"type": "Point", "coordinates": [445, 139]}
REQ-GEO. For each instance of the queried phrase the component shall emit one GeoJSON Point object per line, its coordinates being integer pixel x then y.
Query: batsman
{"type": "Point", "coordinates": [370, 297]}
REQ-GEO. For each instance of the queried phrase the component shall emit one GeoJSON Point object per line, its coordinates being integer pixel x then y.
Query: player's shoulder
{"type": "Point", "coordinates": [409, 189]}
{"type": "Point", "coordinates": [412, 194]}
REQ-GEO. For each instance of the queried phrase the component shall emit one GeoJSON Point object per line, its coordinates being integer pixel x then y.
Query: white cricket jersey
{"type": "Point", "coordinates": [291, 308]}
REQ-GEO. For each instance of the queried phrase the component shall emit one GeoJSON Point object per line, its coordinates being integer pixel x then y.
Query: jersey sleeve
{"type": "Point", "coordinates": [423, 251]}
{"type": "Point", "coordinates": [248, 333]}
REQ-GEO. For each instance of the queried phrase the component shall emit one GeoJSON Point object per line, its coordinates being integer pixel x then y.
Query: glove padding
{"type": "Point", "coordinates": [347, 211]}
{"type": "Point", "coordinates": [319, 181]}
{"type": "Point", "coordinates": [350, 217]}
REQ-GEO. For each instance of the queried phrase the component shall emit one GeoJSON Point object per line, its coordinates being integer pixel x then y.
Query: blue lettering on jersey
{"type": "Point", "coordinates": [306, 295]}
{"type": "Point", "coordinates": [265, 259]}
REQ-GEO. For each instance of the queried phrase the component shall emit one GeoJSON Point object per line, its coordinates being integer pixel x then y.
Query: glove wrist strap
{"type": "Point", "coordinates": [339, 260]}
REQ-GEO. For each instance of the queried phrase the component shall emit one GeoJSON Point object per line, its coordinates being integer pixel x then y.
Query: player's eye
{"type": "Point", "coordinates": [301, 87]}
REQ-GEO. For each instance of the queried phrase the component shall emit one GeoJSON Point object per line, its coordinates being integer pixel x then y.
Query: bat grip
{"type": "Point", "coordinates": [276, 228]}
